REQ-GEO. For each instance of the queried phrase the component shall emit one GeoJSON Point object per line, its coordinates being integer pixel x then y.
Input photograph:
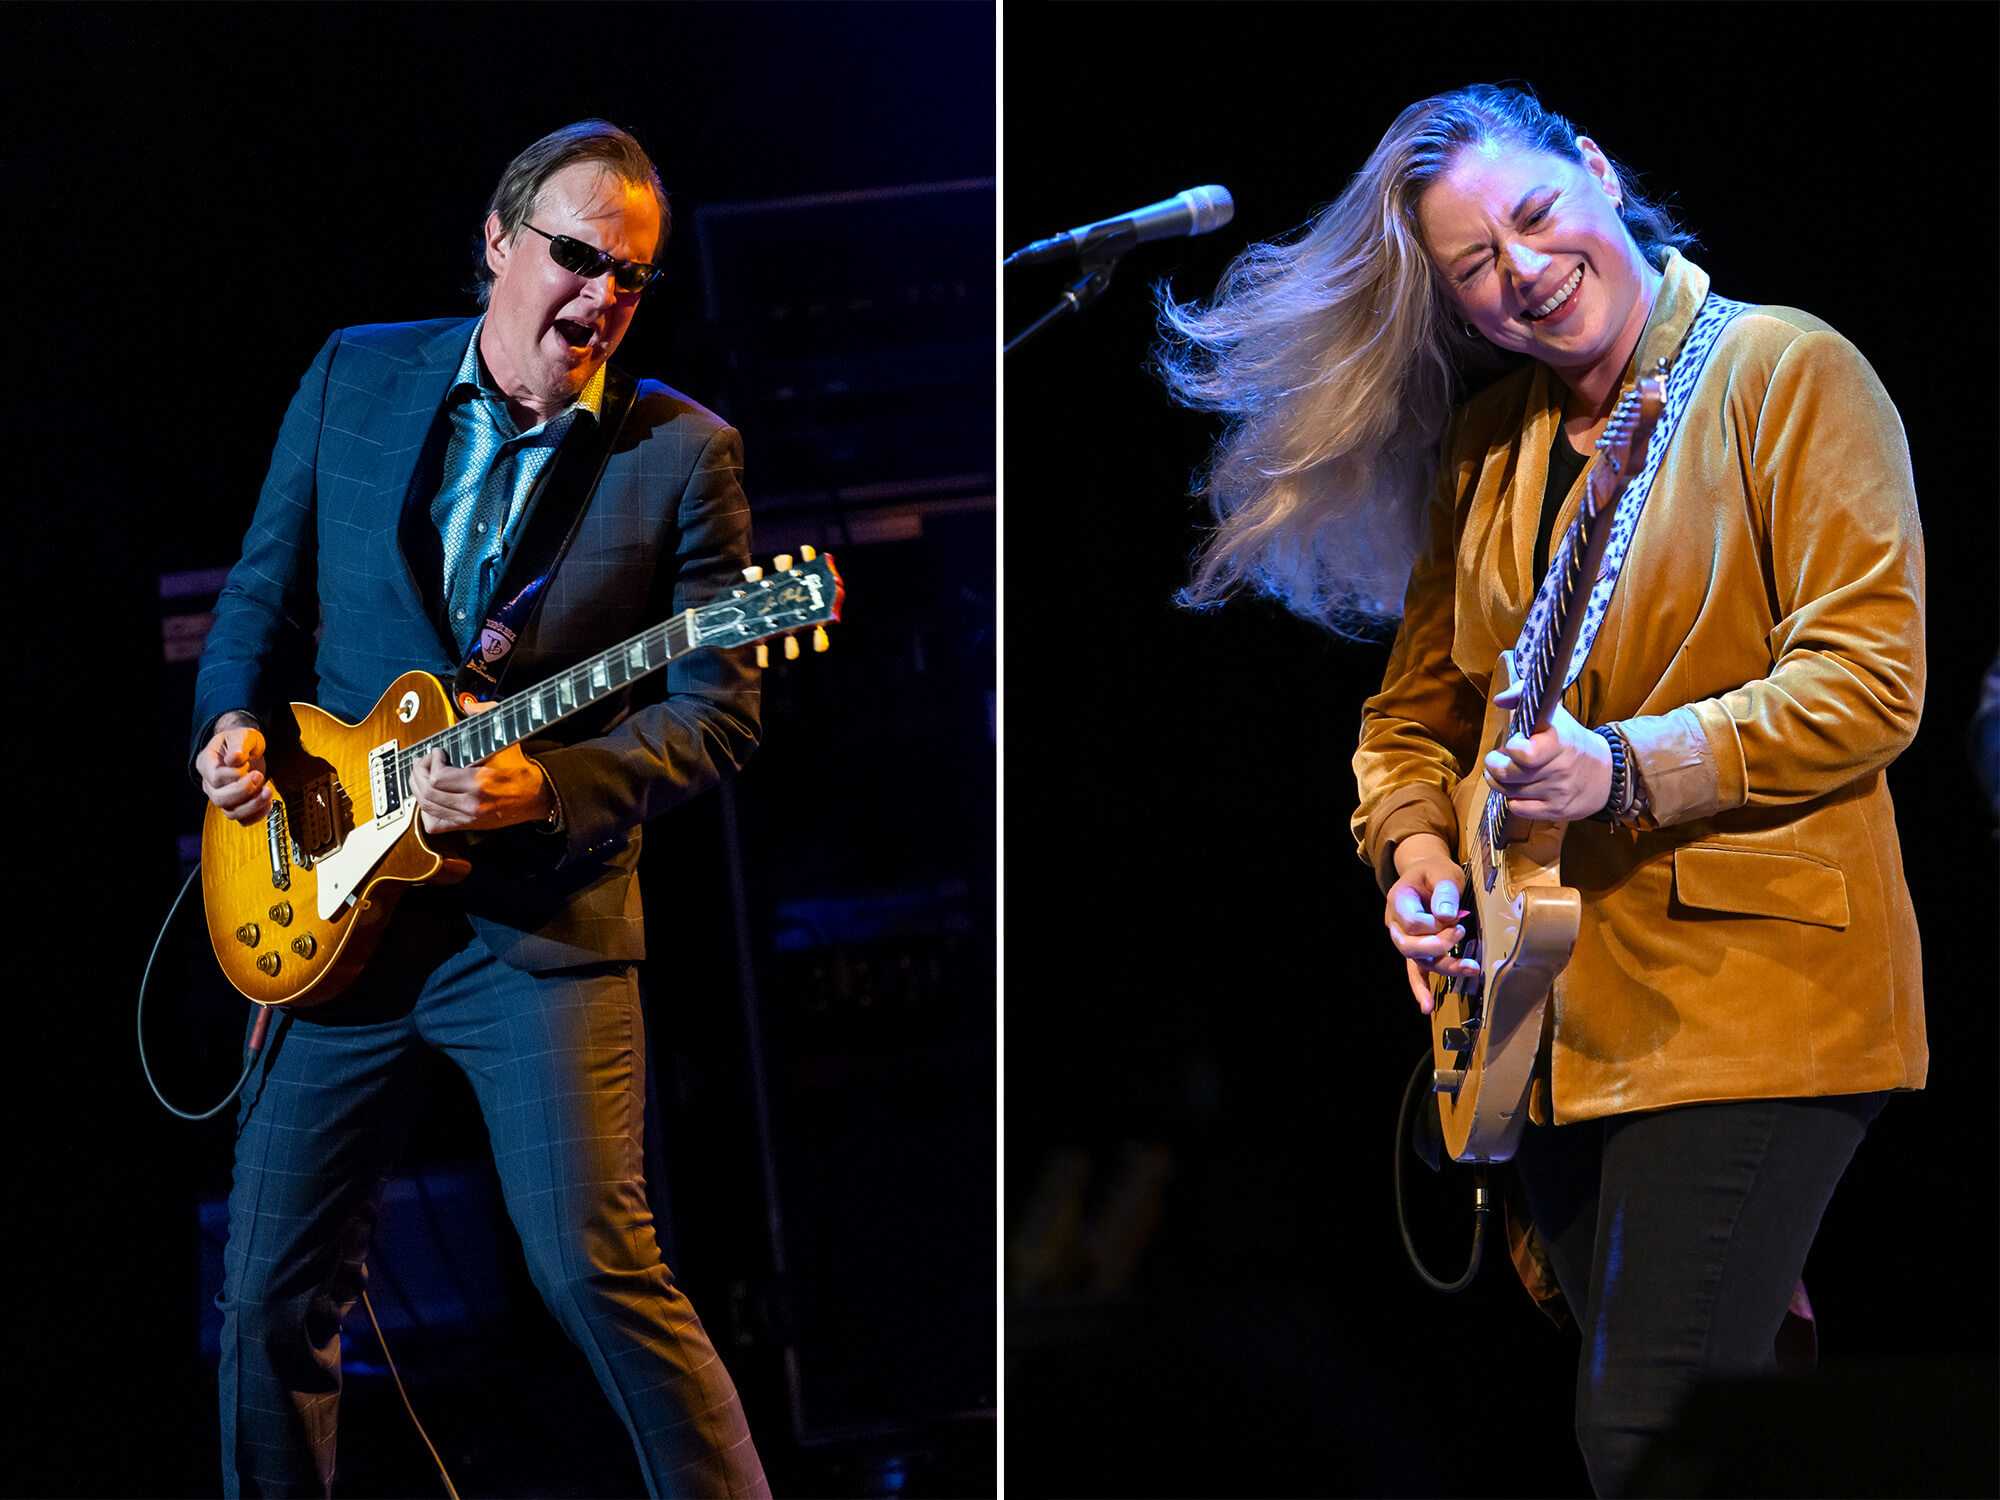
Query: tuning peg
{"type": "Point", "coordinates": [807, 554]}
{"type": "Point", "coordinates": [782, 562]}
{"type": "Point", "coordinates": [791, 648]}
{"type": "Point", "coordinates": [763, 655]}
{"type": "Point", "coordinates": [752, 574]}
{"type": "Point", "coordinates": [819, 638]}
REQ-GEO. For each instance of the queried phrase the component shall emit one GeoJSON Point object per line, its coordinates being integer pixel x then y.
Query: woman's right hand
{"type": "Point", "coordinates": [1422, 914]}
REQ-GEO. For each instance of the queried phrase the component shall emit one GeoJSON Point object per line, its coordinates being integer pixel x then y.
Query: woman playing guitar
{"type": "Point", "coordinates": [1414, 384]}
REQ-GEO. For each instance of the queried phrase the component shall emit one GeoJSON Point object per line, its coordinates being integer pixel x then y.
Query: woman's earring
{"type": "Point", "coordinates": [1470, 331]}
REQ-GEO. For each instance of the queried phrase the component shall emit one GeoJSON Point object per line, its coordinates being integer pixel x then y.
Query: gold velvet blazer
{"type": "Point", "coordinates": [1764, 653]}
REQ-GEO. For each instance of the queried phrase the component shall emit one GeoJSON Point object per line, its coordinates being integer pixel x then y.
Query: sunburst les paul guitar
{"type": "Point", "coordinates": [297, 901]}
{"type": "Point", "coordinates": [1522, 927]}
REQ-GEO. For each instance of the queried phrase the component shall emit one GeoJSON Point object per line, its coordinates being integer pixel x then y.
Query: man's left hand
{"type": "Point", "coordinates": [504, 789]}
{"type": "Point", "coordinates": [1558, 775]}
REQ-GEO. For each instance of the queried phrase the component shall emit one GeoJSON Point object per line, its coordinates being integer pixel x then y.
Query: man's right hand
{"type": "Point", "coordinates": [231, 768]}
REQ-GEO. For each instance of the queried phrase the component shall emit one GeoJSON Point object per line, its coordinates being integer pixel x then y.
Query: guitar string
{"type": "Point", "coordinates": [1618, 429]}
{"type": "Point", "coordinates": [582, 679]}
{"type": "Point", "coordinates": [1542, 649]}
{"type": "Point", "coordinates": [516, 713]}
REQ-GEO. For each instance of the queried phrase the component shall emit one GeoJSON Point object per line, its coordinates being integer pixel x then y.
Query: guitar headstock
{"type": "Point", "coordinates": [1623, 445]}
{"type": "Point", "coordinates": [792, 596]}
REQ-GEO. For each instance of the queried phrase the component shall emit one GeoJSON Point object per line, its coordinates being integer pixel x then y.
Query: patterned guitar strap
{"type": "Point", "coordinates": [1716, 314]}
{"type": "Point", "coordinates": [547, 530]}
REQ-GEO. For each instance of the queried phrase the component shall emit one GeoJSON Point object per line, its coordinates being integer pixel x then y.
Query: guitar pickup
{"type": "Point", "coordinates": [385, 783]}
{"type": "Point", "coordinates": [319, 823]}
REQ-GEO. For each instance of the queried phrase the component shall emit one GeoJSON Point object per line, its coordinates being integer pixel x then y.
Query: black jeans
{"type": "Point", "coordinates": [1678, 1237]}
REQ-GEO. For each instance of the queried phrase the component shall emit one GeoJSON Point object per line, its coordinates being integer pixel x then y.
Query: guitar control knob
{"type": "Point", "coordinates": [282, 914]}
{"type": "Point", "coordinates": [247, 934]}
{"type": "Point", "coordinates": [268, 962]}
{"type": "Point", "coordinates": [1447, 1081]}
{"type": "Point", "coordinates": [305, 945]}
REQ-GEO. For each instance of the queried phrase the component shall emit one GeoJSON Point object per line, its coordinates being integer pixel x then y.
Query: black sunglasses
{"type": "Point", "coordinates": [590, 262]}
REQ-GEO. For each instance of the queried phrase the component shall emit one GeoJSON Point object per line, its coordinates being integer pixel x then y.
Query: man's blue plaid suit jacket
{"type": "Point", "coordinates": [667, 529]}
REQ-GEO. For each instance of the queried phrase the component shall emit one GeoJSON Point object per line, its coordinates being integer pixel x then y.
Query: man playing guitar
{"type": "Point", "coordinates": [407, 473]}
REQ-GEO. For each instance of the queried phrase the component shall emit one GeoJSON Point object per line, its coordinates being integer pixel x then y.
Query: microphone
{"type": "Point", "coordinates": [1196, 211]}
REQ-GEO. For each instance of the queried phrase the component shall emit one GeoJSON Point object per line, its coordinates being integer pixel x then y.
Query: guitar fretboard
{"type": "Point", "coordinates": [1536, 655]}
{"type": "Point", "coordinates": [515, 719]}
{"type": "Point", "coordinates": [1535, 659]}
{"type": "Point", "coordinates": [809, 594]}
{"type": "Point", "coordinates": [1540, 658]}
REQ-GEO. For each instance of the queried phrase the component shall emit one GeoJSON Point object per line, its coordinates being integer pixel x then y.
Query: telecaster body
{"type": "Point", "coordinates": [1486, 1033]}
{"type": "Point", "coordinates": [1522, 930]}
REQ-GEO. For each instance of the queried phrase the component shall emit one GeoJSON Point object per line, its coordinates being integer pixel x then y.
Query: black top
{"type": "Point", "coordinates": [1565, 463]}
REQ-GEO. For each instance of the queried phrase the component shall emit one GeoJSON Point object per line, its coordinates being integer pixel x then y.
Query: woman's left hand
{"type": "Point", "coordinates": [1558, 775]}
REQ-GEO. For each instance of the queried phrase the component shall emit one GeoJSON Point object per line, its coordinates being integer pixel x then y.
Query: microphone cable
{"type": "Point", "coordinates": [389, 1359]}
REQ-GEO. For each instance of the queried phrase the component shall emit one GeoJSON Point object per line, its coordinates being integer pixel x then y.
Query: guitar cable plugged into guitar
{"type": "Point", "coordinates": [1427, 1144]}
{"type": "Point", "coordinates": [1486, 1035]}
{"type": "Point", "coordinates": [314, 864]}
{"type": "Point", "coordinates": [259, 1028]}
{"type": "Point", "coordinates": [253, 1047]}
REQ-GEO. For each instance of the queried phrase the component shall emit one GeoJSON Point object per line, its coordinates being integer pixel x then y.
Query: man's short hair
{"type": "Point", "coordinates": [521, 184]}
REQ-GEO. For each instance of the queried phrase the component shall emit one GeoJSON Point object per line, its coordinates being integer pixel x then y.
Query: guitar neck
{"type": "Point", "coordinates": [1542, 657]}
{"type": "Point", "coordinates": [761, 608]}
{"type": "Point", "coordinates": [527, 713]}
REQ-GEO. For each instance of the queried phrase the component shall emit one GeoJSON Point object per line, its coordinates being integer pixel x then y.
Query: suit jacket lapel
{"type": "Point", "coordinates": [409, 415]}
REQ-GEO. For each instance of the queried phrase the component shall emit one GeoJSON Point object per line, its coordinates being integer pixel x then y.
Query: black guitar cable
{"type": "Point", "coordinates": [258, 1031]}
{"type": "Point", "coordinates": [1415, 1097]}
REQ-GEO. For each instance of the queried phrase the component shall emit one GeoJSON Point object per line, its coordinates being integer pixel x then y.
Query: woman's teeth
{"type": "Point", "coordinates": [1561, 296]}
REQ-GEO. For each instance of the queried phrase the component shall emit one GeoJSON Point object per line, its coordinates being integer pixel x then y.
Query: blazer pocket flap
{"type": "Point", "coordinates": [1760, 883]}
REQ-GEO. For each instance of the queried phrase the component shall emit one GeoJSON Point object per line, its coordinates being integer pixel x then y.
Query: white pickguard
{"type": "Point", "coordinates": [342, 872]}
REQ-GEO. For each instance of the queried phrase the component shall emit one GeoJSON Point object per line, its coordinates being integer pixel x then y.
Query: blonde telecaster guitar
{"type": "Point", "coordinates": [1486, 1032]}
{"type": "Point", "coordinates": [297, 901]}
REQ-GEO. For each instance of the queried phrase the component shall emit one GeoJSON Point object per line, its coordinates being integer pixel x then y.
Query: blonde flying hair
{"type": "Point", "coordinates": [1338, 362]}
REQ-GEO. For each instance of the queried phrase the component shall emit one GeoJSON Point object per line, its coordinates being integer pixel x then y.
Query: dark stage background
{"type": "Point", "coordinates": [1207, 1034]}
{"type": "Point", "coordinates": [206, 192]}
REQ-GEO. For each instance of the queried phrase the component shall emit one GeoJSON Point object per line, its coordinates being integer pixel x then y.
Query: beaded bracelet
{"type": "Point", "coordinates": [1618, 804]}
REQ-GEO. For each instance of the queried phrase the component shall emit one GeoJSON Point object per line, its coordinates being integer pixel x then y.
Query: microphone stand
{"type": "Point", "coordinates": [1097, 269]}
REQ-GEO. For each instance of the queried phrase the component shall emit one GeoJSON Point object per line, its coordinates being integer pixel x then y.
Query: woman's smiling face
{"type": "Point", "coordinates": [1533, 255]}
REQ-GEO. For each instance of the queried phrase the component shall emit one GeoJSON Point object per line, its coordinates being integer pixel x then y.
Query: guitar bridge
{"type": "Point", "coordinates": [274, 835]}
